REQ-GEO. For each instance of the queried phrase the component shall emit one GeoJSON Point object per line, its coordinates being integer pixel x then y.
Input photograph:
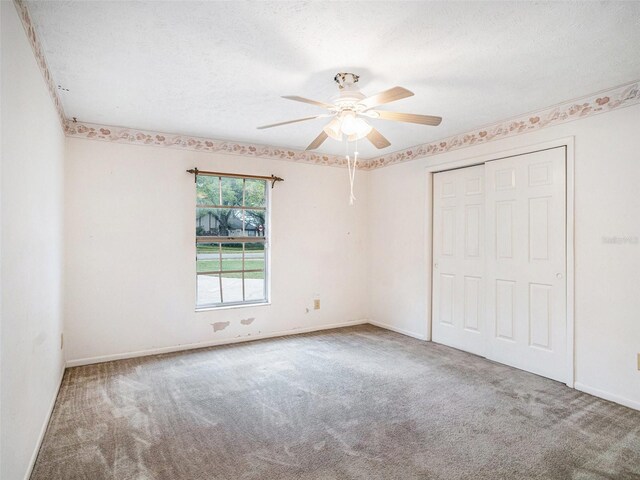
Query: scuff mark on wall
{"type": "Point", "coordinates": [247, 321]}
{"type": "Point", "coordinates": [220, 326]}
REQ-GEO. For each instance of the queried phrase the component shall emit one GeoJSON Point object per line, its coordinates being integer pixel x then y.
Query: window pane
{"type": "Point", "coordinates": [208, 257]}
{"type": "Point", "coordinates": [254, 259]}
{"type": "Point", "coordinates": [254, 222]}
{"type": "Point", "coordinates": [208, 190]}
{"type": "Point", "coordinates": [208, 289]}
{"type": "Point", "coordinates": [206, 223]}
{"type": "Point", "coordinates": [223, 222]}
{"type": "Point", "coordinates": [254, 286]}
{"type": "Point", "coordinates": [232, 191]}
{"type": "Point", "coordinates": [232, 257]}
{"type": "Point", "coordinates": [255, 194]}
{"type": "Point", "coordinates": [231, 287]}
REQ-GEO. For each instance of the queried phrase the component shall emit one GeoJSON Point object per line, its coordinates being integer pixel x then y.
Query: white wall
{"type": "Point", "coordinates": [130, 226]}
{"type": "Point", "coordinates": [31, 250]}
{"type": "Point", "coordinates": [607, 276]}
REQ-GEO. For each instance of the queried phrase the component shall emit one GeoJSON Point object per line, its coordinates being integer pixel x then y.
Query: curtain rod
{"type": "Point", "coordinates": [273, 179]}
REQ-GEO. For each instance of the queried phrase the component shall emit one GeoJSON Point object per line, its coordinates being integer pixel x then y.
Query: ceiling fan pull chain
{"type": "Point", "coordinates": [352, 170]}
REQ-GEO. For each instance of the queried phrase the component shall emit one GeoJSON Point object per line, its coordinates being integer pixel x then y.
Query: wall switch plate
{"type": "Point", "coordinates": [316, 304]}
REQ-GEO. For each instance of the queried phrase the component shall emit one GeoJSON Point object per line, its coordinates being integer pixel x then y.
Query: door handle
{"type": "Point", "coordinates": [435, 265]}
{"type": "Point", "coordinates": [558, 275]}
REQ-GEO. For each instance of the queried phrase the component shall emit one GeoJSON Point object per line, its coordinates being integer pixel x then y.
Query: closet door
{"type": "Point", "coordinates": [458, 259]}
{"type": "Point", "coordinates": [526, 262]}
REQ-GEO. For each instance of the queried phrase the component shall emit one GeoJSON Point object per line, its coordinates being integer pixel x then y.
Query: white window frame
{"type": "Point", "coordinates": [265, 240]}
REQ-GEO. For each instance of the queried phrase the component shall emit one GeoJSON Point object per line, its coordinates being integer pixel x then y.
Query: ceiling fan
{"type": "Point", "coordinates": [348, 108]}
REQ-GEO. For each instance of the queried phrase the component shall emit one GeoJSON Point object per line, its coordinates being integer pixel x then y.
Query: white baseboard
{"type": "Point", "coordinates": [397, 330]}
{"type": "Point", "coordinates": [43, 429]}
{"type": "Point", "coordinates": [191, 346]}
{"type": "Point", "coordinates": [607, 396]}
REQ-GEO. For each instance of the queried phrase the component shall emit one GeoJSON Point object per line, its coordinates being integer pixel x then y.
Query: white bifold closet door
{"type": "Point", "coordinates": [459, 251]}
{"type": "Point", "coordinates": [526, 262]}
{"type": "Point", "coordinates": [499, 286]}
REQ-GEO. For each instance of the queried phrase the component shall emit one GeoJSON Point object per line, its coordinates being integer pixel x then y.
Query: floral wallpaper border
{"type": "Point", "coordinates": [605, 101]}
{"type": "Point", "coordinates": [601, 102]}
{"type": "Point", "coordinates": [38, 52]}
{"type": "Point", "coordinates": [144, 137]}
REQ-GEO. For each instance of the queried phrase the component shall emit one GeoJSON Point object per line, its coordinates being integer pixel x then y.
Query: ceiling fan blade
{"type": "Point", "coordinates": [391, 95]}
{"type": "Point", "coordinates": [308, 100]}
{"type": "Point", "coordinates": [290, 121]}
{"type": "Point", "coordinates": [409, 117]}
{"type": "Point", "coordinates": [318, 141]}
{"type": "Point", "coordinates": [378, 139]}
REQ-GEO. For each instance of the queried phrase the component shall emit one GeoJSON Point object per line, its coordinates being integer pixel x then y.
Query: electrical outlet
{"type": "Point", "coordinates": [316, 304]}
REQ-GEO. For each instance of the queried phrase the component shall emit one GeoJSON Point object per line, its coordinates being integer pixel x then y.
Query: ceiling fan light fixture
{"type": "Point", "coordinates": [348, 126]}
{"type": "Point", "coordinates": [353, 127]}
{"type": "Point", "coordinates": [362, 128]}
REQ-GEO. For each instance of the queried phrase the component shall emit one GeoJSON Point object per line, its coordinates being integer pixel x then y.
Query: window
{"type": "Point", "coordinates": [231, 241]}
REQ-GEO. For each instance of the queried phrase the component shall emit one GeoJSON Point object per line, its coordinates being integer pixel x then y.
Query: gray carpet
{"type": "Point", "coordinates": [354, 403]}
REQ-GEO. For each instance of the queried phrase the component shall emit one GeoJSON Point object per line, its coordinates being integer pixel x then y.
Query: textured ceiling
{"type": "Point", "coordinates": [218, 69]}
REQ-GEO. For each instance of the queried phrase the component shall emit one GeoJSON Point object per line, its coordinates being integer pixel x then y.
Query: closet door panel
{"type": "Point", "coordinates": [526, 262]}
{"type": "Point", "coordinates": [458, 259]}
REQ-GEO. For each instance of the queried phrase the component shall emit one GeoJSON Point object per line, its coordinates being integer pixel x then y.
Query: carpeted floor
{"type": "Point", "coordinates": [354, 403]}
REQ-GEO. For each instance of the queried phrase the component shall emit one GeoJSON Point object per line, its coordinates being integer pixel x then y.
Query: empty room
{"type": "Point", "coordinates": [319, 240]}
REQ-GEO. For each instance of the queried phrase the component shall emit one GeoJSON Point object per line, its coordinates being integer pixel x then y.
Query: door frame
{"type": "Point", "coordinates": [568, 143]}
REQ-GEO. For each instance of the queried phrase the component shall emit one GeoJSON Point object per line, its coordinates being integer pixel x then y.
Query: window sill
{"type": "Point", "coordinates": [229, 307]}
